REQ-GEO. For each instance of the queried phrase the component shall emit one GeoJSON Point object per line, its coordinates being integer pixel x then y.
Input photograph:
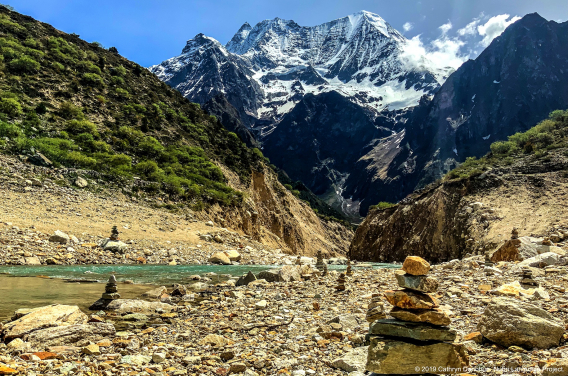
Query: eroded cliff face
{"type": "Point", "coordinates": [275, 217]}
{"type": "Point", "coordinates": [471, 216]}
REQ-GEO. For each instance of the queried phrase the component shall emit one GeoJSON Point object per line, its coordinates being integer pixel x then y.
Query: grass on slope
{"type": "Point", "coordinates": [548, 135]}
{"type": "Point", "coordinates": [84, 106]}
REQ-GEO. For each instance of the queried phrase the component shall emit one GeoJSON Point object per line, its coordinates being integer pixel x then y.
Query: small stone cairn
{"type": "Point", "coordinates": [114, 234]}
{"type": "Point", "coordinates": [325, 270]}
{"type": "Point", "coordinates": [349, 271]}
{"type": "Point", "coordinates": [419, 332]}
{"type": "Point", "coordinates": [110, 294]}
{"type": "Point", "coordinates": [319, 261]}
{"type": "Point", "coordinates": [376, 309]}
{"type": "Point", "coordinates": [527, 280]}
{"type": "Point", "coordinates": [515, 233]}
{"type": "Point", "coordinates": [340, 282]}
{"type": "Point", "coordinates": [299, 260]}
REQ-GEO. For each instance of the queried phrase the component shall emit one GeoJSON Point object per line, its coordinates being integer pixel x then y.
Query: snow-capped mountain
{"type": "Point", "coordinates": [265, 70]}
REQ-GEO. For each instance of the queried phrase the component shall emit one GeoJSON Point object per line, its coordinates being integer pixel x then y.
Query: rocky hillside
{"type": "Point", "coordinates": [516, 81]}
{"type": "Point", "coordinates": [522, 183]}
{"type": "Point", "coordinates": [74, 106]}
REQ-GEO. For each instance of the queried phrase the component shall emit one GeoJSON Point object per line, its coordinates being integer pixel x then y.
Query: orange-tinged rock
{"type": "Point", "coordinates": [475, 336]}
{"type": "Point", "coordinates": [411, 300]}
{"type": "Point", "coordinates": [45, 355]}
{"type": "Point", "coordinates": [416, 265]}
{"type": "Point", "coordinates": [4, 370]}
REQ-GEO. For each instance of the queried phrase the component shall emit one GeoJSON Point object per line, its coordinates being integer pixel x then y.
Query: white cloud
{"type": "Point", "coordinates": [437, 55]}
{"type": "Point", "coordinates": [470, 28]}
{"type": "Point", "coordinates": [408, 26]}
{"type": "Point", "coordinates": [446, 27]}
{"type": "Point", "coordinates": [494, 27]}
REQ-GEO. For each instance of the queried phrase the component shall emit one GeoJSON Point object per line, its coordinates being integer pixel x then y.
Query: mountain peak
{"type": "Point", "coordinates": [200, 40]}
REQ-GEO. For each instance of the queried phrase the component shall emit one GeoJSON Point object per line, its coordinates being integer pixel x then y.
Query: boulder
{"type": "Point", "coordinates": [542, 260]}
{"type": "Point", "coordinates": [246, 279]}
{"type": "Point", "coordinates": [220, 258]}
{"type": "Point", "coordinates": [44, 317]}
{"type": "Point", "coordinates": [418, 283]}
{"type": "Point", "coordinates": [516, 250]}
{"type": "Point", "coordinates": [59, 237]}
{"type": "Point", "coordinates": [76, 335]}
{"type": "Point", "coordinates": [271, 275]}
{"type": "Point", "coordinates": [291, 273]}
{"type": "Point", "coordinates": [410, 300]}
{"type": "Point", "coordinates": [388, 356]}
{"type": "Point", "coordinates": [138, 360]}
{"type": "Point", "coordinates": [416, 265]}
{"type": "Point", "coordinates": [353, 360]}
{"type": "Point", "coordinates": [412, 330]}
{"type": "Point", "coordinates": [32, 260]}
{"type": "Point", "coordinates": [435, 316]}
{"type": "Point", "coordinates": [233, 255]}
{"type": "Point", "coordinates": [115, 246]}
{"type": "Point", "coordinates": [509, 322]}
{"type": "Point", "coordinates": [131, 306]}
{"type": "Point", "coordinates": [39, 159]}
{"type": "Point", "coordinates": [215, 341]}
{"type": "Point", "coordinates": [81, 182]}
{"type": "Point", "coordinates": [155, 293]}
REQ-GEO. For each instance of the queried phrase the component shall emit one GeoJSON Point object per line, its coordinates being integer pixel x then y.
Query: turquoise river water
{"type": "Point", "coordinates": [36, 286]}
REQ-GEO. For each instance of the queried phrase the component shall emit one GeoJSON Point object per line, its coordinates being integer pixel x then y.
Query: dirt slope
{"type": "Point", "coordinates": [443, 222]}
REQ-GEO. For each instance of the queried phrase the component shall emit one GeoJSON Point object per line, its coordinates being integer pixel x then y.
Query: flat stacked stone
{"type": "Point", "coordinates": [340, 282]}
{"type": "Point", "coordinates": [319, 261]}
{"type": "Point", "coordinates": [418, 339]}
{"type": "Point", "coordinates": [349, 271]}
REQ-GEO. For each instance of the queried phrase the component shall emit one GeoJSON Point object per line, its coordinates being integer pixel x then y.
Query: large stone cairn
{"type": "Point", "coordinates": [319, 261]}
{"type": "Point", "coordinates": [349, 271]}
{"type": "Point", "coordinates": [418, 340]}
{"type": "Point", "coordinates": [340, 282]}
{"type": "Point", "coordinates": [114, 234]}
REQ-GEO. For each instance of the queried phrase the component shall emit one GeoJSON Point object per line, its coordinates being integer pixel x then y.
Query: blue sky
{"type": "Point", "coordinates": [150, 31]}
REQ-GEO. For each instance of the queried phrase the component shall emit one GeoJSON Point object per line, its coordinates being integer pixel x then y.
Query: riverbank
{"type": "Point", "coordinates": [298, 328]}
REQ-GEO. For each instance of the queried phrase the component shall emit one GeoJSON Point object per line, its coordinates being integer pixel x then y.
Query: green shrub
{"type": "Point", "coordinates": [150, 147]}
{"type": "Point", "coordinates": [117, 81]}
{"type": "Point", "coordinates": [88, 67]}
{"type": "Point", "coordinates": [76, 159]}
{"type": "Point", "coordinates": [82, 126]}
{"type": "Point", "coordinates": [92, 79]}
{"type": "Point", "coordinates": [503, 147]}
{"type": "Point", "coordinates": [10, 130]}
{"type": "Point", "coordinates": [58, 66]}
{"type": "Point", "coordinates": [121, 93]}
{"type": "Point", "coordinates": [10, 107]}
{"type": "Point", "coordinates": [118, 71]}
{"type": "Point", "coordinates": [68, 110]}
{"type": "Point", "coordinates": [382, 205]}
{"type": "Point", "coordinates": [24, 64]}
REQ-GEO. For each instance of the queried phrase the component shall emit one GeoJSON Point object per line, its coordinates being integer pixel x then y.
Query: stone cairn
{"type": "Point", "coordinates": [340, 282]}
{"type": "Point", "coordinates": [349, 271]}
{"type": "Point", "coordinates": [376, 309]}
{"type": "Point", "coordinates": [325, 270]}
{"type": "Point", "coordinates": [114, 234]}
{"type": "Point", "coordinates": [110, 294]}
{"type": "Point", "coordinates": [319, 261]}
{"type": "Point", "coordinates": [515, 233]}
{"type": "Point", "coordinates": [299, 260]}
{"type": "Point", "coordinates": [419, 332]}
{"type": "Point", "coordinates": [527, 280]}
